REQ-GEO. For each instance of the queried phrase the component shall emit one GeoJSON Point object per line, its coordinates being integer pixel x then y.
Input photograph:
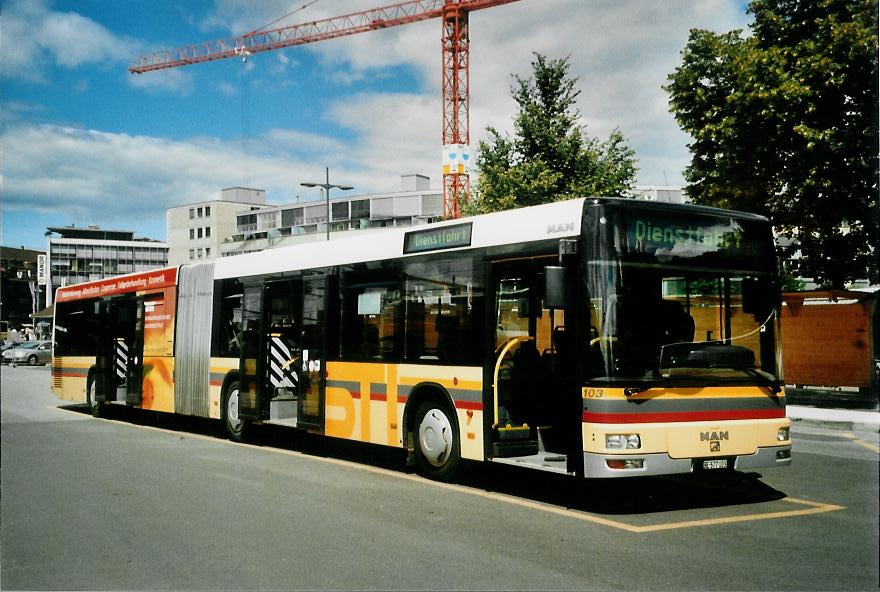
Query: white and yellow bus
{"type": "Point", "coordinates": [595, 337]}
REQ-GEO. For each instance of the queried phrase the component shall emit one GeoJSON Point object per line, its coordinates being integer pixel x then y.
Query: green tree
{"type": "Point", "coordinates": [784, 123]}
{"type": "Point", "coordinates": [550, 158]}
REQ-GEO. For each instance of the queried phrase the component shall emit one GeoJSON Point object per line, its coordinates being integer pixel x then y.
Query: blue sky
{"type": "Point", "coordinates": [85, 142]}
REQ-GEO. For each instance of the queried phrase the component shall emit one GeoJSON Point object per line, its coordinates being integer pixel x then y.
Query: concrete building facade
{"type": "Point", "coordinates": [271, 226]}
{"type": "Point", "coordinates": [92, 253]}
{"type": "Point", "coordinates": [195, 231]}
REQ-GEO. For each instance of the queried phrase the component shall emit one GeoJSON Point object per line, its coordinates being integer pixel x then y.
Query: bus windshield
{"type": "Point", "coordinates": [667, 304]}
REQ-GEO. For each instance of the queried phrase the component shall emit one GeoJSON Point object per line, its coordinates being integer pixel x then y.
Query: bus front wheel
{"type": "Point", "coordinates": [437, 448]}
{"type": "Point", "coordinates": [95, 407]}
{"type": "Point", "coordinates": [235, 425]}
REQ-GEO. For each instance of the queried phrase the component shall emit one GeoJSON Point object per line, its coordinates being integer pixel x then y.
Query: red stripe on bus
{"type": "Point", "coordinates": [469, 405]}
{"type": "Point", "coordinates": [355, 394]}
{"type": "Point", "coordinates": [378, 397]}
{"type": "Point", "coordinates": [683, 416]}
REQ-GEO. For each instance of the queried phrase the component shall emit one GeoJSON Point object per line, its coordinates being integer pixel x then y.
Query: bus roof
{"type": "Point", "coordinates": [535, 223]}
{"type": "Point", "coordinates": [523, 225]}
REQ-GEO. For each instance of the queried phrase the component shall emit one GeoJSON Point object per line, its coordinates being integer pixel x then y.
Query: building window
{"type": "Point", "coordinates": [200, 233]}
{"type": "Point", "coordinates": [192, 233]}
{"type": "Point", "coordinates": [208, 232]}
{"type": "Point", "coordinates": [340, 211]}
{"type": "Point", "coordinates": [247, 223]}
{"type": "Point", "coordinates": [192, 254]}
{"type": "Point", "coordinates": [200, 212]}
{"type": "Point", "coordinates": [207, 211]}
{"type": "Point", "coordinates": [192, 213]}
{"type": "Point", "coordinates": [360, 209]}
{"type": "Point", "coordinates": [200, 253]}
{"type": "Point", "coordinates": [208, 252]}
{"type": "Point", "coordinates": [292, 217]}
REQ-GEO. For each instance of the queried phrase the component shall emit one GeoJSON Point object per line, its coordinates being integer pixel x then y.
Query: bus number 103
{"type": "Point", "coordinates": [595, 393]}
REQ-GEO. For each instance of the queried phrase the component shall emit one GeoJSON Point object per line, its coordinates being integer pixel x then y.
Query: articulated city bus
{"type": "Point", "coordinates": [595, 337]}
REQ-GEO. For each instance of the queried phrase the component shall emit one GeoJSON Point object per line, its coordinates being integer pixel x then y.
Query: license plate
{"type": "Point", "coordinates": [718, 463]}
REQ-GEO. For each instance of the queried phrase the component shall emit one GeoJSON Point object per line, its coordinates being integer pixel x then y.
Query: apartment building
{"type": "Point", "coordinates": [195, 231]}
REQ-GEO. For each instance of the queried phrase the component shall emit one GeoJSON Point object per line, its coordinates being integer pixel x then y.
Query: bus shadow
{"type": "Point", "coordinates": [631, 495]}
{"type": "Point", "coordinates": [613, 497]}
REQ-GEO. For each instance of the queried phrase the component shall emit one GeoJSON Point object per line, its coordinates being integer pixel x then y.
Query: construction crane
{"type": "Point", "coordinates": [455, 62]}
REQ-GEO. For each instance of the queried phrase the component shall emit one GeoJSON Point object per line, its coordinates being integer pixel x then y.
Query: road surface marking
{"type": "Point", "coordinates": [813, 507]}
{"type": "Point", "coordinates": [855, 440]}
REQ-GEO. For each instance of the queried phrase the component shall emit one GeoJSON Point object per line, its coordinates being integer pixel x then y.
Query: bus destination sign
{"type": "Point", "coordinates": [436, 239]}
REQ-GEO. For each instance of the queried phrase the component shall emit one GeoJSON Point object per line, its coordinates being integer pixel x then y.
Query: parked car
{"type": "Point", "coordinates": [30, 353]}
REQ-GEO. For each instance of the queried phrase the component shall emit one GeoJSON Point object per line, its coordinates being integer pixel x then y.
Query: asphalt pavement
{"type": "Point", "coordinates": [146, 501]}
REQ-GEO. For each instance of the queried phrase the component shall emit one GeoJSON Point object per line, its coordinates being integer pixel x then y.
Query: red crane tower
{"type": "Point", "coordinates": [455, 50]}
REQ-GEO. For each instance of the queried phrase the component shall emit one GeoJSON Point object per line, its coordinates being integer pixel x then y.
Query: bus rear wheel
{"type": "Point", "coordinates": [437, 448]}
{"type": "Point", "coordinates": [235, 425]}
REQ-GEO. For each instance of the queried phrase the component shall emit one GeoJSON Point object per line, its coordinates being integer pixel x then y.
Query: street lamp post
{"type": "Point", "coordinates": [327, 187]}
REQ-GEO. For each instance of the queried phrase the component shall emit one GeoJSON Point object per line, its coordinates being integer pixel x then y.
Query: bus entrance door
{"type": "Point", "coordinates": [528, 427]}
{"type": "Point", "coordinates": [294, 362]}
{"type": "Point", "coordinates": [283, 304]}
{"type": "Point", "coordinates": [312, 381]}
{"type": "Point", "coordinates": [114, 354]}
{"type": "Point", "coordinates": [252, 390]}
{"type": "Point", "coordinates": [134, 370]}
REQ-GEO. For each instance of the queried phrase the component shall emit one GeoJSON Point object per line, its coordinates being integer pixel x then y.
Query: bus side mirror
{"type": "Point", "coordinates": [554, 286]}
{"type": "Point", "coordinates": [749, 295]}
{"type": "Point", "coordinates": [757, 298]}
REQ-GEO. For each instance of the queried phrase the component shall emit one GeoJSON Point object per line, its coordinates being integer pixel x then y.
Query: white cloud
{"type": "Point", "coordinates": [117, 178]}
{"type": "Point", "coordinates": [107, 175]}
{"type": "Point", "coordinates": [396, 133]}
{"type": "Point", "coordinates": [174, 81]}
{"type": "Point", "coordinates": [33, 37]}
{"type": "Point", "coordinates": [621, 50]}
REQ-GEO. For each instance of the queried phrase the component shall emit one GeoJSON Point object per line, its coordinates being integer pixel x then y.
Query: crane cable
{"type": "Point", "coordinates": [295, 10]}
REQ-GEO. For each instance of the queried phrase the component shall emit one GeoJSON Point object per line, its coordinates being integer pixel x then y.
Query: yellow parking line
{"type": "Point", "coordinates": [855, 440]}
{"type": "Point", "coordinates": [814, 507]}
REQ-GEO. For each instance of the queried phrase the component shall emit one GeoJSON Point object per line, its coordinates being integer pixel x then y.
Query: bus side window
{"type": "Point", "coordinates": [444, 312]}
{"type": "Point", "coordinates": [227, 328]}
{"type": "Point", "coordinates": [372, 313]}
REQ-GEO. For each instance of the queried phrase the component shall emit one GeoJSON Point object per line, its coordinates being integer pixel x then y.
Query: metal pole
{"type": "Point", "coordinates": [327, 189]}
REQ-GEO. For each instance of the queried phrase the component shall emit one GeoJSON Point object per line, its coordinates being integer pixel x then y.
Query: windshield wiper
{"type": "Point", "coordinates": [771, 384]}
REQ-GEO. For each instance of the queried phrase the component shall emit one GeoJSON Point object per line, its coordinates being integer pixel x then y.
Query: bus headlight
{"type": "Point", "coordinates": [782, 434]}
{"type": "Point", "coordinates": [622, 441]}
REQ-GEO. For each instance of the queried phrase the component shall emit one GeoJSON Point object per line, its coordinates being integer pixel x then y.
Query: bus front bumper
{"type": "Point", "coordinates": [644, 465]}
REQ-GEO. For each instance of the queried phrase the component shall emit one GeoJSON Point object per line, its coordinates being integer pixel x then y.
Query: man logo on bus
{"type": "Point", "coordinates": [714, 436]}
{"type": "Point", "coordinates": [563, 227]}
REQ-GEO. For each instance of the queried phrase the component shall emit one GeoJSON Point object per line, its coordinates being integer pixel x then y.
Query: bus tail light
{"type": "Point", "coordinates": [622, 441]}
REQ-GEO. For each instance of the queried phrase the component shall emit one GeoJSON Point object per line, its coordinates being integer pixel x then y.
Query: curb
{"type": "Point", "coordinates": [836, 419]}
